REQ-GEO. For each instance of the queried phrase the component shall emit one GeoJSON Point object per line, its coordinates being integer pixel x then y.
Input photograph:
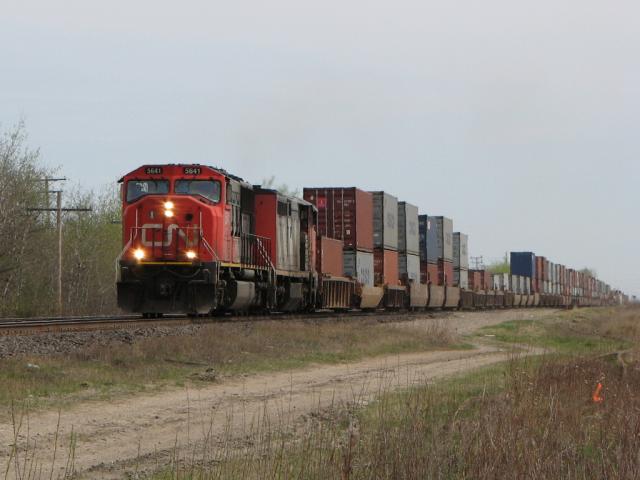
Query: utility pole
{"type": "Point", "coordinates": [48, 181]}
{"type": "Point", "coordinates": [59, 211]}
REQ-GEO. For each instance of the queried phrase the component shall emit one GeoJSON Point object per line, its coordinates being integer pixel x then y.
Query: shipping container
{"type": "Point", "coordinates": [408, 231]}
{"type": "Point", "coordinates": [345, 214]}
{"type": "Point", "coordinates": [385, 221]}
{"type": "Point", "coordinates": [539, 271]}
{"type": "Point", "coordinates": [534, 285]}
{"type": "Point", "coordinates": [359, 265]}
{"type": "Point", "coordinates": [445, 273]}
{"type": "Point", "coordinates": [545, 275]}
{"type": "Point", "coordinates": [475, 280]}
{"type": "Point", "coordinates": [428, 272]}
{"type": "Point", "coordinates": [514, 283]}
{"type": "Point", "coordinates": [523, 263]}
{"type": "Point", "coordinates": [506, 281]}
{"type": "Point", "coordinates": [409, 266]}
{"type": "Point", "coordinates": [428, 233]}
{"type": "Point", "coordinates": [330, 257]}
{"type": "Point", "coordinates": [444, 245]}
{"type": "Point", "coordinates": [487, 279]}
{"type": "Point", "coordinates": [461, 278]}
{"type": "Point", "coordinates": [385, 267]}
{"type": "Point", "coordinates": [460, 250]}
{"type": "Point", "coordinates": [498, 282]}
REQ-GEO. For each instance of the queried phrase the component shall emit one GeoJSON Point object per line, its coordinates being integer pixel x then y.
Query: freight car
{"type": "Point", "coordinates": [200, 241]}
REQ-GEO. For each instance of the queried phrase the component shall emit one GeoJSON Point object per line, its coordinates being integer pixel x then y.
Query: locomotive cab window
{"type": "Point", "coordinates": [139, 188]}
{"type": "Point", "coordinates": [209, 189]}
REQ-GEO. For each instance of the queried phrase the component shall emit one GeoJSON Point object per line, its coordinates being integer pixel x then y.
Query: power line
{"type": "Point", "coordinates": [477, 262]}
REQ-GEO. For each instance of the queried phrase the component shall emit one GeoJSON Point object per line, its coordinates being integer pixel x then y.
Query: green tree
{"type": "Point", "coordinates": [28, 239]}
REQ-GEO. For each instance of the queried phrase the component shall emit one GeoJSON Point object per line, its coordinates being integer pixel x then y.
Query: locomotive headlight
{"type": "Point", "coordinates": [168, 213]}
{"type": "Point", "coordinates": [168, 205]}
{"type": "Point", "coordinates": [138, 253]}
{"type": "Point", "coordinates": [191, 254]}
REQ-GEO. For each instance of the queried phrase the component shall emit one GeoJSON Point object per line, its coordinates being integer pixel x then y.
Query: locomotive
{"type": "Point", "coordinates": [200, 241]}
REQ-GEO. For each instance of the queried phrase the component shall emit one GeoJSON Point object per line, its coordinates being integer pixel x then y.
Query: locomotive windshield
{"type": "Point", "coordinates": [139, 188]}
{"type": "Point", "coordinates": [209, 189]}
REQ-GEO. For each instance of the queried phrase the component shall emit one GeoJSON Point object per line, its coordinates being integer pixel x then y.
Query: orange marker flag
{"type": "Point", "coordinates": [596, 395]}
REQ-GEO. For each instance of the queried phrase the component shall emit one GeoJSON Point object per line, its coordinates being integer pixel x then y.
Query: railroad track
{"type": "Point", "coordinates": [25, 326]}
{"type": "Point", "coordinates": [16, 326]}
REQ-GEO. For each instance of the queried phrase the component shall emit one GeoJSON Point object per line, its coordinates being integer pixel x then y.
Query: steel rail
{"type": "Point", "coordinates": [11, 326]}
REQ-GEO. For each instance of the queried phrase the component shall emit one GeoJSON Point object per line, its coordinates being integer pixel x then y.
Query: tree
{"type": "Point", "coordinates": [500, 266]}
{"type": "Point", "coordinates": [21, 235]}
{"type": "Point", "coordinates": [282, 188]}
{"type": "Point", "coordinates": [28, 240]}
{"type": "Point", "coordinates": [590, 272]}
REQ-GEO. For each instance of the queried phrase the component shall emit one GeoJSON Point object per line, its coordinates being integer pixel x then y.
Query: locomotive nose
{"type": "Point", "coordinates": [165, 286]}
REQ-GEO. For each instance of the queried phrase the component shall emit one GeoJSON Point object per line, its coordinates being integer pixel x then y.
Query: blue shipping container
{"type": "Point", "coordinates": [524, 264]}
{"type": "Point", "coordinates": [428, 239]}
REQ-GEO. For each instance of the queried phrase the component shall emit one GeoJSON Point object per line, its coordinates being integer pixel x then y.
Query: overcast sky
{"type": "Point", "coordinates": [518, 119]}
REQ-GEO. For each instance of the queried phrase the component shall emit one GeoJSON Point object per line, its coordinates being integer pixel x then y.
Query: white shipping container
{"type": "Point", "coordinates": [409, 266]}
{"type": "Point", "coordinates": [506, 285]}
{"type": "Point", "coordinates": [359, 265]}
{"type": "Point", "coordinates": [385, 221]}
{"type": "Point", "coordinates": [460, 250]}
{"type": "Point", "coordinates": [461, 278]}
{"type": "Point", "coordinates": [408, 235]}
{"type": "Point", "coordinates": [515, 284]}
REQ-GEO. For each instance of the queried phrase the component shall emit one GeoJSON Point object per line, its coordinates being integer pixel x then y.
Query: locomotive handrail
{"type": "Point", "coordinates": [208, 247]}
{"type": "Point", "coordinates": [119, 257]}
{"type": "Point", "coordinates": [254, 251]}
{"type": "Point", "coordinates": [252, 246]}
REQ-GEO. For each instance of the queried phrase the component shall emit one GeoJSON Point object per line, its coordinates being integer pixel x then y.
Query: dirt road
{"type": "Point", "coordinates": [111, 436]}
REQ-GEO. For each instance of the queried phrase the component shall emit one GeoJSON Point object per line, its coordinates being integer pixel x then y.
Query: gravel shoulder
{"type": "Point", "coordinates": [112, 438]}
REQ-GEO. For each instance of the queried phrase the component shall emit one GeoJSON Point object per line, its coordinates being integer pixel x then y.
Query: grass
{"type": "Point", "coordinates": [527, 418]}
{"type": "Point", "coordinates": [230, 349]}
{"type": "Point", "coordinates": [571, 332]}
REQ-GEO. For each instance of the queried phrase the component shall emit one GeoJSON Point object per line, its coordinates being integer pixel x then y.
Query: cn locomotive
{"type": "Point", "coordinates": [200, 241]}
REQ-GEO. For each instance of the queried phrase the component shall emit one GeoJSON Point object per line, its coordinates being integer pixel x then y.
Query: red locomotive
{"type": "Point", "coordinates": [198, 240]}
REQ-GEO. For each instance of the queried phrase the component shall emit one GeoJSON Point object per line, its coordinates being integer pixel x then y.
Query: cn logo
{"type": "Point", "coordinates": [168, 238]}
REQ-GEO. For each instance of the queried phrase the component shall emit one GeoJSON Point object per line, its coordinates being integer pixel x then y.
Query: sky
{"type": "Point", "coordinates": [516, 119]}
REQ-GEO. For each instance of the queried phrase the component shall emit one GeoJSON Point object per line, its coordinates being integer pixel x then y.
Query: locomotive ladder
{"type": "Point", "coordinates": [264, 254]}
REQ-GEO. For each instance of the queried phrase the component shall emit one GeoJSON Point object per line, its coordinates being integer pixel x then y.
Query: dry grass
{"type": "Point", "coordinates": [530, 418]}
{"type": "Point", "coordinates": [523, 420]}
{"type": "Point", "coordinates": [229, 349]}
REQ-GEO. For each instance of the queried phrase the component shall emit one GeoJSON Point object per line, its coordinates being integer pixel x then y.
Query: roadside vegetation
{"type": "Point", "coordinates": [535, 417]}
{"type": "Point", "coordinates": [28, 257]}
{"type": "Point", "coordinates": [571, 332]}
{"type": "Point", "coordinates": [209, 353]}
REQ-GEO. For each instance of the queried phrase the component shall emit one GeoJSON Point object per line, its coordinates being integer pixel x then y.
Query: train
{"type": "Point", "coordinates": [198, 240]}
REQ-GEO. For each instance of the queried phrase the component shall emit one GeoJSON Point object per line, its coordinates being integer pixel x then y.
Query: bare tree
{"type": "Point", "coordinates": [28, 245]}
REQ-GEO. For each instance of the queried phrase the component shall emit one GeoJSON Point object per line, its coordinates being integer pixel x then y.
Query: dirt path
{"type": "Point", "coordinates": [110, 436]}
